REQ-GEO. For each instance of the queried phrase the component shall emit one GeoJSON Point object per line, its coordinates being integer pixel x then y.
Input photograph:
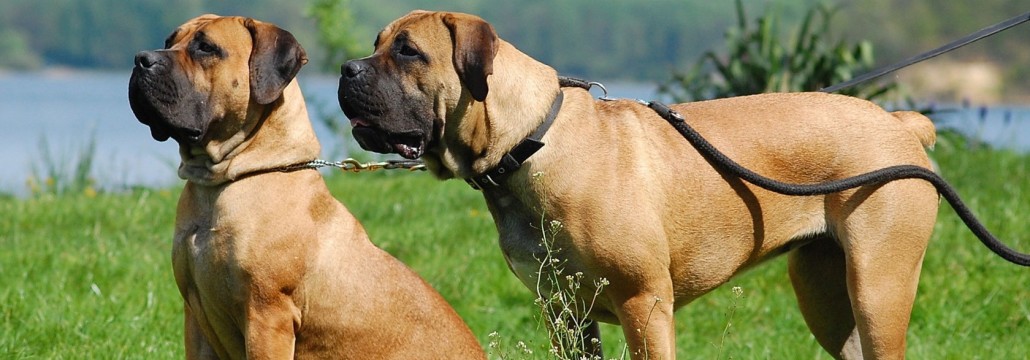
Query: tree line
{"type": "Point", "coordinates": [601, 39]}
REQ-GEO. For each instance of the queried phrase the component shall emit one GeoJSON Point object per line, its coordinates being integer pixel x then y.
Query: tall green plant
{"type": "Point", "coordinates": [756, 61]}
{"type": "Point", "coordinates": [64, 173]}
{"type": "Point", "coordinates": [563, 313]}
{"type": "Point", "coordinates": [336, 31]}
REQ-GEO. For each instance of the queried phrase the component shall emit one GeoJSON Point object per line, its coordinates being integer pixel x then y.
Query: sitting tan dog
{"type": "Point", "coordinates": [271, 266]}
{"type": "Point", "coordinates": [639, 205]}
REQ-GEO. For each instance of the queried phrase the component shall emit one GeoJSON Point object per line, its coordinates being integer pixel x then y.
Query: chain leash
{"type": "Point", "coordinates": [352, 165]}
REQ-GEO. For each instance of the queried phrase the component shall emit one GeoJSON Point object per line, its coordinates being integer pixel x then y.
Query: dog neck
{"type": "Point", "coordinates": [479, 134]}
{"type": "Point", "coordinates": [273, 136]}
{"type": "Point", "coordinates": [513, 159]}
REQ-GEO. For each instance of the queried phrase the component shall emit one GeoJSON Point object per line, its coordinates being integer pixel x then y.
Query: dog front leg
{"type": "Point", "coordinates": [271, 330]}
{"type": "Point", "coordinates": [648, 324]}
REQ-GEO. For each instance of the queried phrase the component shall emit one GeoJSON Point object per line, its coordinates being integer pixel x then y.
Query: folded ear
{"type": "Point", "coordinates": [275, 59]}
{"type": "Point", "coordinates": [475, 45]}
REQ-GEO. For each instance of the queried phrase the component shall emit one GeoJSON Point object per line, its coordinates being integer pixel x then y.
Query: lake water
{"type": "Point", "coordinates": [66, 109]}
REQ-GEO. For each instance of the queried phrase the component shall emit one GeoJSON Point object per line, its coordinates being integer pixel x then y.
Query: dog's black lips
{"type": "Point", "coordinates": [409, 145]}
{"type": "Point", "coordinates": [159, 103]}
{"type": "Point", "coordinates": [368, 116]}
{"type": "Point", "coordinates": [146, 99]}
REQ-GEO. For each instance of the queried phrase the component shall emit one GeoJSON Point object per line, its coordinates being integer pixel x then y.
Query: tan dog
{"type": "Point", "coordinates": [271, 266]}
{"type": "Point", "coordinates": [639, 205]}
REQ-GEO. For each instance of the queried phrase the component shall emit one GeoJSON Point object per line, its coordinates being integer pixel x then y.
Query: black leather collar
{"type": "Point", "coordinates": [518, 155]}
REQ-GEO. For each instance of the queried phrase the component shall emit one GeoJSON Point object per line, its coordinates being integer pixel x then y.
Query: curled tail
{"type": "Point", "coordinates": [919, 125]}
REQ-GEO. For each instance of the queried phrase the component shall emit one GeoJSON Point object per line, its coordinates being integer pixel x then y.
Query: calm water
{"type": "Point", "coordinates": [66, 108]}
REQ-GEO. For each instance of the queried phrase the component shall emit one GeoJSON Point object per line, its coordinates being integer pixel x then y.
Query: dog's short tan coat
{"type": "Point", "coordinates": [269, 264]}
{"type": "Point", "coordinates": [639, 206]}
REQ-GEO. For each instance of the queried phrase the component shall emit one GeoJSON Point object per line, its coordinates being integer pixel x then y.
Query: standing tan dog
{"type": "Point", "coordinates": [640, 207]}
{"type": "Point", "coordinates": [271, 266]}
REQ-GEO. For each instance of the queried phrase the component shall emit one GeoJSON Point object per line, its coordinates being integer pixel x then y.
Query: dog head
{"type": "Point", "coordinates": [423, 65]}
{"type": "Point", "coordinates": [211, 70]}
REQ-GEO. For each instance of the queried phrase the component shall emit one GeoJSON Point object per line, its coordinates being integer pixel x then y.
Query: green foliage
{"type": "Point", "coordinates": [15, 52]}
{"type": "Point", "coordinates": [600, 40]}
{"type": "Point", "coordinates": [108, 33]}
{"type": "Point", "coordinates": [337, 32]}
{"type": "Point", "coordinates": [756, 61]}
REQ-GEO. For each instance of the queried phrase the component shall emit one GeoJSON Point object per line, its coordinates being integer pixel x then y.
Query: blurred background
{"type": "Point", "coordinates": [87, 196]}
{"type": "Point", "coordinates": [64, 64]}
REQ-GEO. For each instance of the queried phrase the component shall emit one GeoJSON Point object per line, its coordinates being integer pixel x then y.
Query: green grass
{"type": "Point", "coordinates": [86, 276]}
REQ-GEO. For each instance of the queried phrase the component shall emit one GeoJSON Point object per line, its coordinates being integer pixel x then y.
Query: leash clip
{"type": "Point", "coordinates": [604, 90]}
{"type": "Point", "coordinates": [565, 81]}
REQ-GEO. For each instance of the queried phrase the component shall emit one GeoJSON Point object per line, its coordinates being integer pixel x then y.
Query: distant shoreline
{"type": "Point", "coordinates": [66, 105]}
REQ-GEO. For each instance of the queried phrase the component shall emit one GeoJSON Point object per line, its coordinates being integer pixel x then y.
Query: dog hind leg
{"type": "Point", "coordinates": [818, 273]}
{"type": "Point", "coordinates": [884, 232]}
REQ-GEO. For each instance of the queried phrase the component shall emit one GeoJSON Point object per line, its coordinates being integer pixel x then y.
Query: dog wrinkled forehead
{"type": "Point", "coordinates": [187, 29]}
{"type": "Point", "coordinates": [394, 28]}
{"type": "Point", "coordinates": [203, 25]}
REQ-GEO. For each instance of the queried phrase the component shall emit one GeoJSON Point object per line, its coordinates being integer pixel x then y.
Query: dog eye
{"type": "Point", "coordinates": [407, 50]}
{"type": "Point", "coordinates": [206, 47]}
{"type": "Point", "coordinates": [170, 39]}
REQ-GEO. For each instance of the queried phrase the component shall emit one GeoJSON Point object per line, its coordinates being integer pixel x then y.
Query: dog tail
{"type": "Point", "coordinates": [919, 125]}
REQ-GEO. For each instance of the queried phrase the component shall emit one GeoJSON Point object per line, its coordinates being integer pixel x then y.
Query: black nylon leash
{"type": "Point", "coordinates": [518, 155]}
{"type": "Point", "coordinates": [983, 33]}
{"type": "Point", "coordinates": [881, 176]}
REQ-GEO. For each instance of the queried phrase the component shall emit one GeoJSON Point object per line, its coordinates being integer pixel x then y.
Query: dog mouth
{"type": "Point", "coordinates": [408, 147]}
{"type": "Point", "coordinates": [408, 144]}
{"type": "Point", "coordinates": [383, 119]}
{"type": "Point", "coordinates": [162, 97]}
{"type": "Point", "coordinates": [159, 105]}
{"type": "Point", "coordinates": [146, 109]}
{"type": "Point", "coordinates": [195, 157]}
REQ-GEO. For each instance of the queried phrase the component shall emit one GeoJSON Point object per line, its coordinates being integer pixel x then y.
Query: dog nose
{"type": "Point", "coordinates": [147, 59]}
{"type": "Point", "coordinates": [352, 68]}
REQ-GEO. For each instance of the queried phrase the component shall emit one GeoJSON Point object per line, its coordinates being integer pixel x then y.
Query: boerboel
{"type": "Point", "coordinates": [639, 205]}
{"type": "Point", "coordinates": [269, 264]}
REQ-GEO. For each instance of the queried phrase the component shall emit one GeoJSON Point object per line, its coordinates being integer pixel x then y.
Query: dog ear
{"type": "Point", "coordinates": [475, 45]}
{"type": "Point", "coordinates": [275, 59]}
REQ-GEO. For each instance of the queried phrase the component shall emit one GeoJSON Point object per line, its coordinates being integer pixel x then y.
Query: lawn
{"type": "Point", "coordinates": [87, 276]}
